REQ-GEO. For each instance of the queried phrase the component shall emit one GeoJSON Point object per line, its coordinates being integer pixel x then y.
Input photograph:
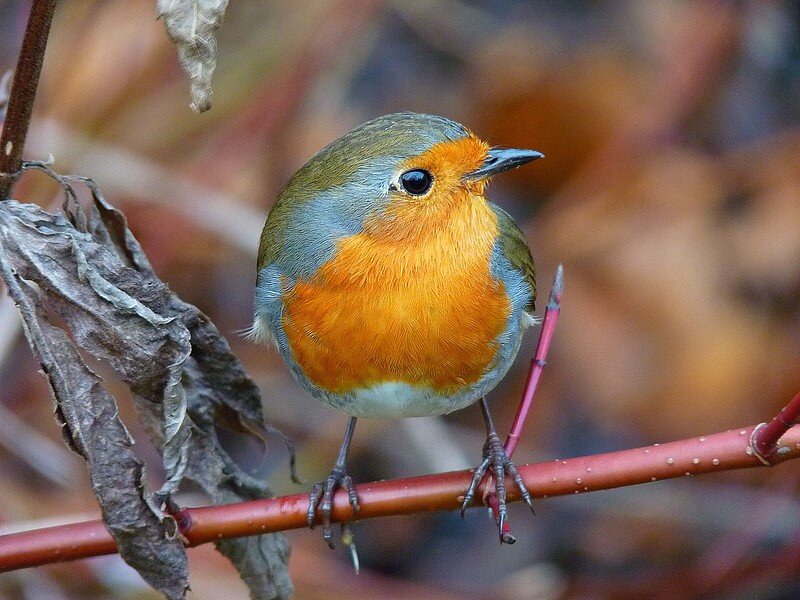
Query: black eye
{"type": "Point", "coordinates": [416, 182]}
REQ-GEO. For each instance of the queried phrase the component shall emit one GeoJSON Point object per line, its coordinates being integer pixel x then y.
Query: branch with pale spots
{"type": "Point", "coordinates": [724, 451]}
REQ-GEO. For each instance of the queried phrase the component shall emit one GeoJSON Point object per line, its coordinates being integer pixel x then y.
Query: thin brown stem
{"type": "Point", "coordinates": [23, 92]}
{"type": "Point", "coordinates": [716, 452]}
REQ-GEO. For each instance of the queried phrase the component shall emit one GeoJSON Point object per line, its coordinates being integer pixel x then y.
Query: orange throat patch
{"type": "Point", "coordinates": [411, 299]}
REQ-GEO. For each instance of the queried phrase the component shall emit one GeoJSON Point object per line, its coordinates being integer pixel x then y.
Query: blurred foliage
{"type": "Point", "coordinates": [670, 191]}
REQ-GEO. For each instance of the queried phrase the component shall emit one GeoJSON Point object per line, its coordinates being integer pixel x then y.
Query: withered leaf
{"type": "Point", "coordinates": [191, 25]}
{"type": "Point", "coordinates": [89, 417]}
{"type": "Point", "coordinates": [94, 275]}
{"type": "Point", "coordinates": [104, 304]}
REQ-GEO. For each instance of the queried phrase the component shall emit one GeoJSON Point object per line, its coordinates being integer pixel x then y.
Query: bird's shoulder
{"type": "Point", "coordinates": [271, 240]}
{"type": "Point", "coordinates": [511, 243]}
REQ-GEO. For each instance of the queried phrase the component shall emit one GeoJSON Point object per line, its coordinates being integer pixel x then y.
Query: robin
{"type": "Point", "coordinates": [392, 287]}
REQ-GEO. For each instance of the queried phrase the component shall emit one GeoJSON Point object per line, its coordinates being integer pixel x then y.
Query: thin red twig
{"type": "Point", "coordinates": [539, 360]}
{"type": "Point", "coordinates": [716, 452]}
{"type": "Point", "coordinates": [766, 435]}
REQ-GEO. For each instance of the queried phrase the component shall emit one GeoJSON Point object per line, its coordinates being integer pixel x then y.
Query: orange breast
{"type": "Point", "coordinates": [419, 308]}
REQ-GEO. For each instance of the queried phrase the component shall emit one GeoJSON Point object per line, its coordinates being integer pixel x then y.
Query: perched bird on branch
{"type": "Point", "coordinates": [393, 288]}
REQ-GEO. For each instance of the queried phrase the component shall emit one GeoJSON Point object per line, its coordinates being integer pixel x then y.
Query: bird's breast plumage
{"type": "Point", "coordinates": [421, 308]}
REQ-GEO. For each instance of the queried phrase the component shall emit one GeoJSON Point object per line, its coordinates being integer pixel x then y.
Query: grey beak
{"type": "Point", "coordinates": [503, 159]}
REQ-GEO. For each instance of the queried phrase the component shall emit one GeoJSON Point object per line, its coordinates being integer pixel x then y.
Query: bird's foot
{"type": "Point", "coordinates": [322, 497]}
{"type": "Point", "coordinates": [495, 458]}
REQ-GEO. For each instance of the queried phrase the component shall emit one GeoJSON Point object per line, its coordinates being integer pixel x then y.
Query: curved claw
{"type": "Point", "coordinates": [526, 495]}
{"type": "Point", "coordinates": [347, 482]}
{"type": "Point", "coordinates": [473, 486]}
{"type": "Point", "coordinates": [506, 537]}
{"type": "Point", "coordinates": [313, 501]}
{"type": "Point", "coordinates": [326, 506]}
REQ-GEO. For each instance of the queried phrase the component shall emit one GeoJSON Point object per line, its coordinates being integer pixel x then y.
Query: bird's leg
{"type": "Point", "coordinates": [322, 492]}
{"type": "Point", "coordinates": [495, 457]}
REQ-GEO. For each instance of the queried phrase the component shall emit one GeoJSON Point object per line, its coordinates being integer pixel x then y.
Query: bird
{"type": "Point", "coordinates": [392, 287]}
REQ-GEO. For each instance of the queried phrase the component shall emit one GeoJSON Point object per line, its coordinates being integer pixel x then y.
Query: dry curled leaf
{"type": "Point", "coordinates": [92, 428]}
{"type": "Point", "coordinates": [92, 273]}
{"type": "Point", "coordinates": [191, 25]}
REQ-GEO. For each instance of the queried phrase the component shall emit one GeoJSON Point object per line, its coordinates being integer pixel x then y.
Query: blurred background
{"type": "Point", "coordinates": [670, 191]}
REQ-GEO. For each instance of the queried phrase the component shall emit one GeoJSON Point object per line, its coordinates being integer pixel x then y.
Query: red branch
{"type": "Point", "coordinates": [694, 456]}
{"type": "Point", "coordinates": [765, 436]}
